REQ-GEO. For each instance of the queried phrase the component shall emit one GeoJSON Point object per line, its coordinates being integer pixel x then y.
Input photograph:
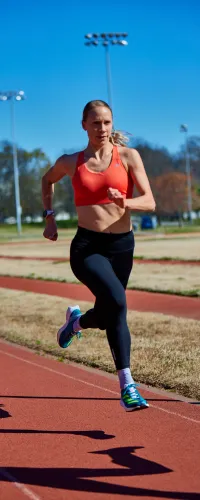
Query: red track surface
{"type": "Point", "coordinates": [67, 437]}
{"type": "Point", "coordinates": [139, 301]}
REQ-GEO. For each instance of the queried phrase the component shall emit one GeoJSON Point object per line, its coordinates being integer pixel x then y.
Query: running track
{"type": "Point", "coordinates": [64, 436]}
{"type": "Point", "coordinates": [188, 307]}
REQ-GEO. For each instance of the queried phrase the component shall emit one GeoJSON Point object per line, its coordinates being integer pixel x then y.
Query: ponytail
{"type": "Point", "coordinates": [118, 138]}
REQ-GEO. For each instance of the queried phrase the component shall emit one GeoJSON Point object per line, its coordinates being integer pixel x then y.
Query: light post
{"type": "Point", "coordinates": [184, 128]}
{"type": "Point", "coordinates": [107, 39]}
{"type": "Point", "coordinates": [11, 96]}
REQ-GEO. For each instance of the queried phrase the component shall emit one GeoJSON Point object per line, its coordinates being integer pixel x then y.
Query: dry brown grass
{"type": "Point", "coordinates": [37, 269]}
{"type": "Point", "coordinates": [176, 278]}
{"type": "Point", "coordinates": [185, 248]}
{"type": "Point", "coordinates": [181, 247]}
{"type": "Point", "coordinates": [157, 277]}
{"type": "Point", "coordinates": [43, 248]}
{"type": "Point", "coordinates": [165, 350]}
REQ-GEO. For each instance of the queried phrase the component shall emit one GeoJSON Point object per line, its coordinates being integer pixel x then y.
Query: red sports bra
{"type": "Point", "coordinates": [90, 188]}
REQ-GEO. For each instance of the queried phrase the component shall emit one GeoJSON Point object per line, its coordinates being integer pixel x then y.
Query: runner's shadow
{"type": "Point", "coordinates": [136, 465]}
{"type": "Point", "coordinates": [99, 435]}
{"type": "Point", "coordinates": [4, 413]}
{"type": "Point", "coordinates": [164, 400]}
{"type": "Point", "coordinates": [81, 479]}
{"type": "Point", "coordinates": [93, 434]}
{"type": "Point", "coordinates": [86, 479]}
{"type": "Point", "coordinates": [60, 398]}
{"type": "Point", "coordinates": [130, 465]}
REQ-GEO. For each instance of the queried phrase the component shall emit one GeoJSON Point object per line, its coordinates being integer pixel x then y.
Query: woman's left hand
{"type": "Point", "coordinates": [116, 197]}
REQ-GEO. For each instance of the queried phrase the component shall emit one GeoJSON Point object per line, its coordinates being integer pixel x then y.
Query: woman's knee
{"type": "Point", "coordinates": [102, 324]}
{"type": "Point", "coordinates": [109, 307]}
{"type": "Point", "coordinates": [116, 302]}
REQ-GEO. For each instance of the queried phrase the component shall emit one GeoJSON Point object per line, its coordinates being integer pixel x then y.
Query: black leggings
{"type": "Point", "coordinates": [103, 262]}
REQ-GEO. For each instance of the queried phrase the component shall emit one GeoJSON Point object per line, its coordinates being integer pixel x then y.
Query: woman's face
{"type": "Point", "coordinates": [98, 125]}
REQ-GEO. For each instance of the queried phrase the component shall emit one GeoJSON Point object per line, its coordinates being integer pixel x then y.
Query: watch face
{"type": "Point", "coordinates": [47, 212]}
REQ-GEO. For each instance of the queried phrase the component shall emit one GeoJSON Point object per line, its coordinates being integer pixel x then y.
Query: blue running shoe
{"type": "Point", "coordinates": [66, 333]}
{"type": "Point", "coordinates": [131, 399]}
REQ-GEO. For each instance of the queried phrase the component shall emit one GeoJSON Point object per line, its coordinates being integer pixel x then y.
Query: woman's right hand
{"type": "Point", "coordinates": [50, 231]}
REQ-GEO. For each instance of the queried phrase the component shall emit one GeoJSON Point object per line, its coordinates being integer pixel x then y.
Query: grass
{"type": "Point", "coordinates": [180, 293]}
{"type": "Point", "coordinates": [165, 350]}
{"type": "Point", "coordinates": [184, 248]}
{"type": "Point", "coordinates": [9, 232]}
{"type": "Point", "coordinates": [193, 228]}
{"type": "Point", "coordinates": [154, 277]}
{"type": "Point", "coordinates": [164, 258]}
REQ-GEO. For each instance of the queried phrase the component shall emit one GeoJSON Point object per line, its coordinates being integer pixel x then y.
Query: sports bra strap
{"type": "Point", "coordinates": [115, 157]}
{"type": "Point", "coordinates": [118, 158]}
{"type": "Point", "coordinates": [80, 159]}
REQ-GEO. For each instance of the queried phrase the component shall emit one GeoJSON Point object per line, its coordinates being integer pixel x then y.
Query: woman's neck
{"type": "Point", "coordinates": [97, 152]}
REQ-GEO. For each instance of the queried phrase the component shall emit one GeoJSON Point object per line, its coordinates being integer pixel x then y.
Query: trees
{"type": "Point", "coordinates": [157, 161]}
{"type": "Point", "coordinates": [168, 177]}
{"type": "Point", "coordinates": [170, 191]}
{"type": "Point", "coordinates": [194, 155]}
{"type": "Point", "coordinates": [166, 173]}
{"type": "Point", "coordinates": [32, 165]}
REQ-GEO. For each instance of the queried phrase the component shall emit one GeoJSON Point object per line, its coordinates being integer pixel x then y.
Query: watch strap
{"type": "Point", "coordinates": [47, 213]}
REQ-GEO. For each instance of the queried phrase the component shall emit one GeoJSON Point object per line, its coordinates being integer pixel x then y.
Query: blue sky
{"type": "Point", "coordinates": [155, 79]}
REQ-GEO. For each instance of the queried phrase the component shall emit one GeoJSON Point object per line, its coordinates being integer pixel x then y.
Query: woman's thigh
{"type": "Point", "coordinates": [122, 264]}
{"type": "Point", "coordinates": [97, 273]}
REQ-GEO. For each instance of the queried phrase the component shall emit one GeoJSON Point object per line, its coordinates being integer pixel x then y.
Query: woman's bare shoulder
{"type": "Point", "coordinates": [126, 152]}
{"type": "Point", "coordinates": [126, 155]}
{"type": "Point", "coordinates": [68, 162]}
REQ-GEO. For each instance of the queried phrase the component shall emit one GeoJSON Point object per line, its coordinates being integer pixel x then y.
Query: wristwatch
{"type": "Point", "coordinates": [47, 213]}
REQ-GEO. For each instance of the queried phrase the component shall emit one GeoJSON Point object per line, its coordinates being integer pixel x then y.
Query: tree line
{"type": "Point", "coordinates": [165, 171]}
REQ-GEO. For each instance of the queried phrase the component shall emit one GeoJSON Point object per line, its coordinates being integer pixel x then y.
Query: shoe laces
{"type": "Point", "coordinates": [131, 389]}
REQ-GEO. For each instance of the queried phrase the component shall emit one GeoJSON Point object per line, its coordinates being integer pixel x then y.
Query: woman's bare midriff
{"type": "Point", "coordinates": [108, 218]}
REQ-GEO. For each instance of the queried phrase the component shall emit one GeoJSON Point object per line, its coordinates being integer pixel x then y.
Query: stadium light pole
{"type": "Point", "coordinates": [184, 128]}
{"type": "Point", "coordinates": [107, 39]}
{"type": "Point", "coordinates": [11, 96]}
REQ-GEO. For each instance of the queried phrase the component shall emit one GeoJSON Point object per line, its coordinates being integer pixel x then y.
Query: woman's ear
{"type": "Point", "coordinates": [83, 125]}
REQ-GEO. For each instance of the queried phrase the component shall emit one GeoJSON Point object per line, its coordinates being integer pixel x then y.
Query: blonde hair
{"type": "Point", "coordinates": [117, 137]}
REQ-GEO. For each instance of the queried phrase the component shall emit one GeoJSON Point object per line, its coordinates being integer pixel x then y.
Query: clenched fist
{"type": "Point", "coordinates": [50, 231]}
{"type": "Point", "coordinates": [116, 197]}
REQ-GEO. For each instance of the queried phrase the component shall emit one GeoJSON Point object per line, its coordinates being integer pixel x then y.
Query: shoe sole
{"type": "Point", "coordinates": [142, 407]}
{"type": "Point", "coordinates": [68, 314]}
{"type": "Point", "coordinates": [59, 334]}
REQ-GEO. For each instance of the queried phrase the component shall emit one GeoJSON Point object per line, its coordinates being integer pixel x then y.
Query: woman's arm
{"type": "Point", "coordinates": [137, 171]}
{"type": "Point", "coordinates": [144, 202]}
{"type": "Point", "coordinates": [63, 166]}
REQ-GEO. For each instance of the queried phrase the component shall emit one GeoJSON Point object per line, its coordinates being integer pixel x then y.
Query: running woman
{"type": "Point", "coordinates": [101, 253]}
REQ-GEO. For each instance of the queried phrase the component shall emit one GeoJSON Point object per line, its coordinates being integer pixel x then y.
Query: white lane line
{"type": "Point", "coordinates": [92, 385]}
{"type": "Point", "coordinates": [174, 413]}
{"type": "Point", "coordinates": [28, 493]}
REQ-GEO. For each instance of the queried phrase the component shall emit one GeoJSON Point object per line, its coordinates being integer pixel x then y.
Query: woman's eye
{"type": "Point", "coordinates": [99, 123]}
